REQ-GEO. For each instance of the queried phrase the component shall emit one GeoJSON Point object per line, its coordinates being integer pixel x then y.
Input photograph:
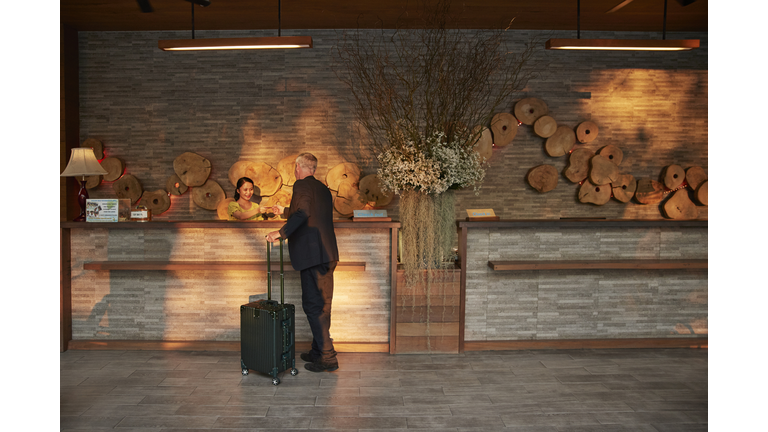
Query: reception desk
{"type": "Point", "coordinates": [523, 284]}
{"type": "Point", "coordinates": [161, 285]}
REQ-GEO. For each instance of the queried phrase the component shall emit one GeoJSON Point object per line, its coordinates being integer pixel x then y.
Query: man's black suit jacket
{"type": "Point", "coordinates": [309, 228]}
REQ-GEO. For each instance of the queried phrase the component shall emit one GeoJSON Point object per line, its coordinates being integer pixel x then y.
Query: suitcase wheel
{"type": "Point", "coordinates": [275, 381]}
{"type": "Point", "coordinates": [245, 372]}
{"type": "Point", "coordinates": [294, 371]}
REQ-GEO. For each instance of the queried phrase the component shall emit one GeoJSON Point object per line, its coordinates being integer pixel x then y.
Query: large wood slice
{"type": "Point", "coordinates": [594, 194]}
{"type": "Point", "coordinates": [370, 186]}
{"type": "Point", "coordinates": [680, 206]}
{"type": "Point", "coordinates": [175, 186]}
{"type": "Point", "coordinates": [624, 188]}
{"type": "Point", "coordinates": [561, 142]}
{"type": "Point", "coordinates": [602, 171]}
{"type": "Point", "coordinates": [702, 193]}
{"type": "Point", "coordinates": [281, 197]}
{"type": "Point", "coordinates": [504, 128]}
{"type": "Point", "coordinates": [342, 172]}
{"type": "Point", "coordinates": [346, 205]}
{"type": "Point", "coordinates": [93, 181]}
{"type": "Point", "coordinates": [114, 166]}
{"type": "Point", "coordinates": [96, 145]}
{"type": "Point", "coordinates": [578, 165]}
{"type": "Point", "coordinates": [649, 191]}
{"type": "Point", "coordinates": [209, 195]}
{"type": "Point", "coordinates": [586, 132]}
{"type": "Point", "coordinates": [673, 176]}
{"type": "Point", "coordinates": [695, 176]}
{"type": "Point", "coordinates": [192, 169]}
{"type": "Point", "coordinates": [543, 178]}
{"type": "Point", "coordinates": [484, 143]}
{"type": "Point", "coordinates": [264, 177]}
{"type": "Point", "coordinates": [237, 171]}
{"type": "Point", "coordinates": [128, 187]}
{"type": "Point", "coordinates": [157, 201]}
{"type": "Point", "coordinates": [287, 169]}
{"type": "Point", "coordinates": [545, 126]}
{"type": "Point", "coordinates": [529, 110]}
{"type": "Point", "coordinates": [222, 208]}
{"type": "Point", "coordinates": [612, 153]}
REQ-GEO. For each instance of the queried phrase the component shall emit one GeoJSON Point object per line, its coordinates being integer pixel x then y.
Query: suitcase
{"type": "Point", "coordinates": [267, 331]}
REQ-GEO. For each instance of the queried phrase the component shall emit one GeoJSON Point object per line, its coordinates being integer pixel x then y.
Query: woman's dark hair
{"type": "Point", "coordinates": [242, 181]}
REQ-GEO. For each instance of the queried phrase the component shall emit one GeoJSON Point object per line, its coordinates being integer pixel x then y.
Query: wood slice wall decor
{"type": "Point", "coordinates": [695, 176]}
{"type": "Point", "coordinates": [237, 171]}
{"type": "Point", "coordinates": [354, 200]}
{"type": "Point", "coordinates": [371, 188]}
{"type": "Point", "coordinates": [287, 169]}
{"type": "Point", "coordinates": [586, 132]}
{"type": "Point", "coordinates": [343, 172]}
{"type": "Point", "coordinates": [702, 193]}
{"type": "Point", "coordinates": [175, 186]}
{"type": "Point", "coordinates": [543, 178]}
{"type": "Point", "coordinates": [96, 145]}
{"type": "Point", "coordinates": [680, 206]}
{"type": "Point", "coordinates": [93, 181]}
{"type": "Point", "coordinates": [649, 191]}
{"type": "Point", "coordinates": [624, 188]}
{"type": "Point", "coordinates": [264, 177]}
{"type": "Point", "coordinates": [578, 165]}
{"type": "Point", "coordinates": [504, 128]}
{"type": "Point", "coordinates": [114, 166]}
{"type": "Point", "coordinates": [129, 187]}
{"type": "Point", "coordinates": [561, 142]}
{"type": "Point", "coordinates": [484, 144]}
{"type": "Point", "coordinates": [594, 194]}
{"type": "Point", "coordinates": [673, 176]}
{"type": "Point", "coordinates": [545, 126]}
{"type": "Point", "coordinates": [192, 169]}
{"type": "Point", "coordinates": [529, 110]}
{"type": "Point", "coordinates": [222, 208]}
{"type": "Point", "coordinates": [208, 195]}
{"type": "Point", "coordinates": [612, 153]}
{"type": "Point", "coordinates": [602, 171]}
{"type": "Point", "coordinates": [157, 201]}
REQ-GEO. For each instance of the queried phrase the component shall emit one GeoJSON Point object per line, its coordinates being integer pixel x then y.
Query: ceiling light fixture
{"type": "Point", "coordinates": [621, 44]}
{"type": "Point", "coordinates": [245, 43]}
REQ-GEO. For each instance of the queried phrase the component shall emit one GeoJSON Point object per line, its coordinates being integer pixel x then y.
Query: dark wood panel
{"type": "Point", "coordinates": [205, 265]}
{"type": "Point", "coordinates": [436, 314]}
{"type": "Point", "coordinates": [599, 265]}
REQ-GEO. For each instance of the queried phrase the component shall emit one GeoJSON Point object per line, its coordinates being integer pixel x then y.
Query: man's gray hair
{"type": "Point", "coordinates": [307, 161]}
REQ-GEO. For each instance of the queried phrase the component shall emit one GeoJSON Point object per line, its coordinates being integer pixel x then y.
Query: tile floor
{"type": "Point", "coordinates": [536, 391]}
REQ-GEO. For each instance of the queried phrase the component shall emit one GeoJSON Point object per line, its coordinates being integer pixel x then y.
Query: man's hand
{"type": "Point", "coordinates": [273, 236]}
{"type": "Point", "coordinates": [277, 209]}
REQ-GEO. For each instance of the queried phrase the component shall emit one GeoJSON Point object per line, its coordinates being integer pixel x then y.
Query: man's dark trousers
{"type": "Point", "coordinates": [316, 296]}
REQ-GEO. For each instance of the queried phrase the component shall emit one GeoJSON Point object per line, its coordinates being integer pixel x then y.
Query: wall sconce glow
{"type": "Point", "coordinates": [280, 42]}
{"type": "Point", "coordinates": [623, 44]}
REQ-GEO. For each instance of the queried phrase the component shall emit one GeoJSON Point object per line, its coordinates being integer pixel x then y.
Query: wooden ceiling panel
{"type": "Point", "coordinates": [125, 15]}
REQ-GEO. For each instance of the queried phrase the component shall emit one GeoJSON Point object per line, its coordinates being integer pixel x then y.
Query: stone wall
{"type": "Point", "coordinates": [148, 106]}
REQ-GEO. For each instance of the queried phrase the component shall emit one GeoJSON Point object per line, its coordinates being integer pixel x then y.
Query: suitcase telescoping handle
{"type": "Point", "coordinates": [269, 272]}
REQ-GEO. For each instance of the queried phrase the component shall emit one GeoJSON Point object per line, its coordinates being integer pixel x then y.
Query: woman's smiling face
{"type": "Point", "coordinates": [246, 191]}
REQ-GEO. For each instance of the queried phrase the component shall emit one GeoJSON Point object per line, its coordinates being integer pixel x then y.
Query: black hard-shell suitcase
{"type": "Point", "coordinates": [267, 331]}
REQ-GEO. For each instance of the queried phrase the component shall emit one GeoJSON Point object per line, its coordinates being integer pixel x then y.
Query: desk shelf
{"type": "Point", "coordinates": [205, 265]}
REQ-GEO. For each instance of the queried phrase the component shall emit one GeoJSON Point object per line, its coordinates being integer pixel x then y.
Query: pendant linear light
{"type": "Point", "coordinates": [246, 43]}
{"type": "Point", "coordinates": [621, 44]}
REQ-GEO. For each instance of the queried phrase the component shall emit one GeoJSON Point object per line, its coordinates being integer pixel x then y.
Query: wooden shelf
{"type": "Point", "coordinates": [205, 265]}
{"type": "Point", "coordinates": [599, 265]}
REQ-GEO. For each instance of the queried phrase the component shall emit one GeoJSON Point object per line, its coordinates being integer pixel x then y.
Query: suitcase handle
{"type": "Point", "coordinates": [269, 272]}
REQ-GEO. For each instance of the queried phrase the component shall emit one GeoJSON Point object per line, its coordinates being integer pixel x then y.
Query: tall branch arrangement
{"type": "Point", "coordinates": [408, 86]}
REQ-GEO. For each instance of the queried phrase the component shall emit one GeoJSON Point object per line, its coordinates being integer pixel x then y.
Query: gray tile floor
{"type": "Point", "coordinates": [537, 391]}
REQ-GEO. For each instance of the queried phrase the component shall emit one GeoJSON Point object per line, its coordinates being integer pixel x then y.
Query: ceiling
{"type": "Point", "coordinates": [125, 15]}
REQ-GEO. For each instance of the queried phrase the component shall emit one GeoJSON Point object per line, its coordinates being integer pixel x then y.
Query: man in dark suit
{"type": "Point", "coordinates": [313, 250]}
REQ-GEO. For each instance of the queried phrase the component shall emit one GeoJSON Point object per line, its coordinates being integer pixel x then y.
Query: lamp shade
{"type": "Point", "coordinates": [83, 162]}
{"type": "Point", "coordinates": [280, 42]}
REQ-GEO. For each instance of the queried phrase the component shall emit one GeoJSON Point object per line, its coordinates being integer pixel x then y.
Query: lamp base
{"type": "Point", "coordinates": [82, 197]}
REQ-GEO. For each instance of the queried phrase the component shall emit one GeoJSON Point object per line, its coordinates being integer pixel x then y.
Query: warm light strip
{"type": "Point", "coordinates": [279, 42]}
{"type": "Point", "coordinates": [623, 44]}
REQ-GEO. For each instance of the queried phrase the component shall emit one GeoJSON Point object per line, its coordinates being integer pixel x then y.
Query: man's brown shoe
{"type": "Point", "coordinates": [321, 367]}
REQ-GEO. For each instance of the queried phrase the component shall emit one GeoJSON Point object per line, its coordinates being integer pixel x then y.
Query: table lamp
{"type": "Point", "coordinates": [82, 163]}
